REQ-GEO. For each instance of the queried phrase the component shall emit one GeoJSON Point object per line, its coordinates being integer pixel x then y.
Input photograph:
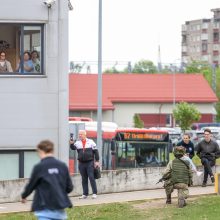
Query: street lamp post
{"type": "Point", "coordinates": [173, 70]}
{"type": "Point", "coordinates": [99, 110]}
{"type": "Point", "coordinates": [174, 91]}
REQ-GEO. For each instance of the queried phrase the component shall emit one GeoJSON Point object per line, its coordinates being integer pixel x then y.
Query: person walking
{"type": "Point", "coordinates": [188, 144]}
{"type": "Point", "coordinates": [88, 157]}
{"type": "Point", "coordinates": [178, 175]}
{"type": "Point", "coordinates": [208, 151]}
{"type": "Point", "coordinates": [51, 181]}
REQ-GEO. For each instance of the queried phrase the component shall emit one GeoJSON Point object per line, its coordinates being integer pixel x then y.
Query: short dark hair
{"type": "Point", "coordinates": [207, 130]}
{"type": "Point", "coordinates": [35, 51]}
{"type": "Point", "coordinates": [187, 134]}
{"type": "Point", "coordinates": [46, 146]}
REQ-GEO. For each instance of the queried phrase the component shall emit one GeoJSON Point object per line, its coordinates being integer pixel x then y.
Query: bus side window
{"type": "Point", "coordinates": [113, 145]}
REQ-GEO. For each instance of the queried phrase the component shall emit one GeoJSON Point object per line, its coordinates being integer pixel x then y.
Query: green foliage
{"type": "Point", "coordinates": [116, 211]}
{"type": "Point", "coordinates": [197, 67]}
{"type": "Point", "coordinates": [144, 66]}
{"type": "Point", "coordinates": [138, 123]}
{"type": "Point", "coordinates": [112, 70]}
{"type": "Point", "coordinates": [186, 114]}
{"type": "Point", "coordinates": [140, 210]}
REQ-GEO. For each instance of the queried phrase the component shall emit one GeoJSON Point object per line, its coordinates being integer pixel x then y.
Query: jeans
{"type": "Point", "coordinates": [51, 214]}
{"type": "Point", "coordinates": [208, 164]}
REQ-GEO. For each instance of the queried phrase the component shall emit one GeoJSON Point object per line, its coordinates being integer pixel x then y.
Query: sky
{"type": "Point", "coordinates": [131, 29]}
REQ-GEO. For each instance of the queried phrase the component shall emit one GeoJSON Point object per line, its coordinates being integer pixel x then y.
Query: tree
{"type": "Point", "coordinates": [138, 123]}
{"type": "Point", "coordinates": [144, 66]}
{"type": "Point", "coordinates": [112, 70]}
{"type": "Point", "coordinates": [186, 114]}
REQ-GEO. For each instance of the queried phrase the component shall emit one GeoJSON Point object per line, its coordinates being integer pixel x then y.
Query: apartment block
{"type": "Point", "coordinates": [200, 39]}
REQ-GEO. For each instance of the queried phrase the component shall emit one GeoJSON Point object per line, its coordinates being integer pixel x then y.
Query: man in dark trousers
{"type": "Point", "coordinates": [187, 143]}
{"type": "Point", "coordinates": [88, 157]}
{"type": "Point", "coordinates": [208, 151]}
{"type": "Point", "coordinates": [51, 181]}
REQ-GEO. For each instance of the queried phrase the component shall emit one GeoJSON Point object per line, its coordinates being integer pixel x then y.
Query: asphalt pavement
{"type": "Point", "coordinates": [112, 198]}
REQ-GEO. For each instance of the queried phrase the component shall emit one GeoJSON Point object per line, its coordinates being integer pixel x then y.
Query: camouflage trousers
{"type": "Point", "coordinates": [182, 188]}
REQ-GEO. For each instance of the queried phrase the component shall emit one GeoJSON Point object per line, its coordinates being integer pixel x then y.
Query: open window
{"type": "Point", "coordinates": [21, 49]}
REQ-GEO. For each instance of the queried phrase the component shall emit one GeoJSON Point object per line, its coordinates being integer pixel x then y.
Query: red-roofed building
{"type": "Point", "coordinates": [152, 96]}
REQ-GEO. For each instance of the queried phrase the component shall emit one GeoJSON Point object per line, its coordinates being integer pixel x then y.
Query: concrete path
{"type": "Point", "coordinates": [111, 198]}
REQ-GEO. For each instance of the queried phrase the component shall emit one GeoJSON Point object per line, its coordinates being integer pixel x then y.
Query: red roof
{"type": "Point", "coordinates": [141, 88]}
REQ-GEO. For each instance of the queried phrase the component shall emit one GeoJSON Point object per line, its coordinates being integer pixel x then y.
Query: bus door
{"type": "Point", "coordinates": [74, 128]}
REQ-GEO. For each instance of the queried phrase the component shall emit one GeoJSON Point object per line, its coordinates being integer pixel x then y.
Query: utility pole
{"type": "Point", "coordinates": [99, 110]}
{"type": "Point", "coordinates": [214, 77]}
{"type": "Point", "coordinates": [214, 84]}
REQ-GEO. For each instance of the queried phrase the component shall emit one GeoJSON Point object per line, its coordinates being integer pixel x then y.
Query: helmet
{"type": "Point", "coordinates": [179, 151]}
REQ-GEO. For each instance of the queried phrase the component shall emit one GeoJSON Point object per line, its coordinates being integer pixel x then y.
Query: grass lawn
{"type": "Point", "coordinates": [199, 208]}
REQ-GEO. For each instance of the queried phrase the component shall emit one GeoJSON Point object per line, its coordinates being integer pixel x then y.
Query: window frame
{"type": "Point", "coordinates": [20, 154]}
{"type": "Point", "coordinates": [42, 49]}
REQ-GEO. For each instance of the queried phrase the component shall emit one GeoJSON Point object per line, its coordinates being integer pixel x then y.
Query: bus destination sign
{"type": "Point", "coordinates": [143, 136]}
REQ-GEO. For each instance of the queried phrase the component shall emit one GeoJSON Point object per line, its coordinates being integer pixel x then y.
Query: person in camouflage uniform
{"type": "Point", "coordinates": [178, 175]}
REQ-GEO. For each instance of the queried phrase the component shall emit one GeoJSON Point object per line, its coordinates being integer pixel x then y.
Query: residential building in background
{"type": "Point", "coordinates": [201, 40]}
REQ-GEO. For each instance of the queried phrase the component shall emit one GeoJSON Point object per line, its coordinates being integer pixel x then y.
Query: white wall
{"type": "Point", "coordinates": [36, 107]}
{"type": "Point", "coordinates": [124, 112]}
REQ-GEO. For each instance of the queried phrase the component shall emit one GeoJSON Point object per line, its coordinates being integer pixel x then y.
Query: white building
{"type": "Point", "coordinates": [34, 104]}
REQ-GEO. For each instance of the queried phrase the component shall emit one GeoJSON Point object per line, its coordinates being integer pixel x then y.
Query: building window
{"type": "Point", "coordinates": [21, 47]}
{"type": "Point", "coordinates": [9, 165]}
{"type": "Point", "coordinates": [168, 120]}
{"type": "Point", "coordinates": [216, 37]}
{"type": "Point", "coordinates": [16, 164]}
{"type": "Point", "coordinates": [204, 47]}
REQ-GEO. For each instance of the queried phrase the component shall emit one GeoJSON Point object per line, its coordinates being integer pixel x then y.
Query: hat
{"type": "Point", "coordinates": [179, 151]}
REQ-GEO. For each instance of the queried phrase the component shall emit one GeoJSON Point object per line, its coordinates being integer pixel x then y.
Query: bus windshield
{"type": "Point", "coordinates": [133, 154]}
{"type": "Point", "coordinates": [141, 148]}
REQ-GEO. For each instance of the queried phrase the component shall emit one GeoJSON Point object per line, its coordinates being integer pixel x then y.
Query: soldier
{"type": "Point", "coordinates": [178, 175]}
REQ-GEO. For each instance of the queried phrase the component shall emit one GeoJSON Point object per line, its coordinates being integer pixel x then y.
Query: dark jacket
{"type": "Point", "coordinates": [51, 181]}
{"type": "Point", "coordinates": [89, 153]}
{"type": "Point", "coordinates": [209, 150]}
{"type": "Point", "coordinates": [189, 148]}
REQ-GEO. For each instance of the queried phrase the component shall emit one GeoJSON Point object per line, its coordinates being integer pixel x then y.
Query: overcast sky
{"type": "Point", "coordinates": [132, 29]}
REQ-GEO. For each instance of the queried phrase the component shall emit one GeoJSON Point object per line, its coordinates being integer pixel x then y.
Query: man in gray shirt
{"type": "Point", "coordinates": [208, 151]}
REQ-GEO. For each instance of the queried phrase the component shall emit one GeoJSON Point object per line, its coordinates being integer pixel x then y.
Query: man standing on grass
{"type": "Point", "coordinates": [208, 151]}
{"type": "Point", "coordinates": [51, 181]}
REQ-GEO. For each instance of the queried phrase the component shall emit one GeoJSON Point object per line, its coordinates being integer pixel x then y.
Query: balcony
{"type": "Point", "coordinates": [215, 53]}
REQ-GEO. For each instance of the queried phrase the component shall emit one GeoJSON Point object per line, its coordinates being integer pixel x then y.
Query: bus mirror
{"type": "Point", "coordinates": [112, 145]}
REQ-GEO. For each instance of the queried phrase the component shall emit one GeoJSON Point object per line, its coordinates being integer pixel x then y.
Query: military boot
{"type": "Point", "coordinates": [168, 201]}
{"type": "Point", "coordinates": [181, 202]}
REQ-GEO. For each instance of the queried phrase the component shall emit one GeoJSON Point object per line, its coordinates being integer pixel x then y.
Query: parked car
{"type": "Point", "coordinates": [198, 126]}
{"type": "Point", "coordinates": [174, 135]}
{"type": "Point", "coordinates": [213, 129]}
{"type": "Point", "coordinates": [200, 136]}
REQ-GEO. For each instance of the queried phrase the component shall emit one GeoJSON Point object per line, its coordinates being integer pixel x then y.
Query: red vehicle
{"type": "Point", "coordinates": [80, 119]}
{"type": "Point", "coordinates": [129, 147]}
